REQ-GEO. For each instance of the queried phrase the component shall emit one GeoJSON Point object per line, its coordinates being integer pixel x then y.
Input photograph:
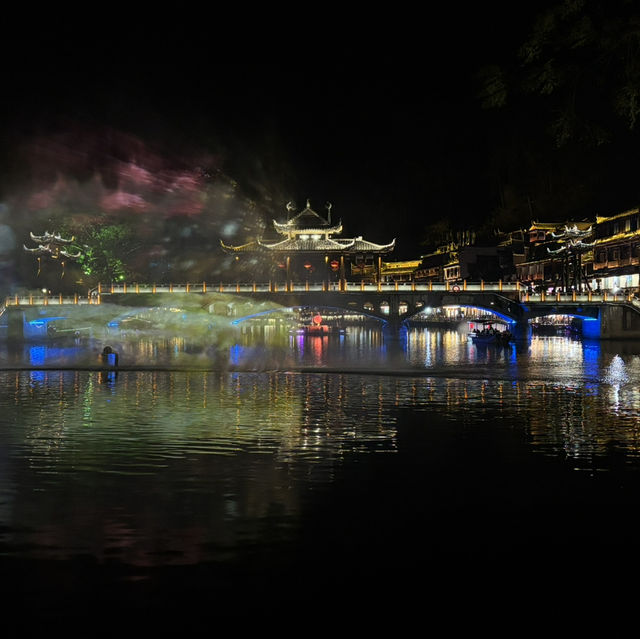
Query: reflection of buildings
{"type": "Point", "coordinates": [309, 249]}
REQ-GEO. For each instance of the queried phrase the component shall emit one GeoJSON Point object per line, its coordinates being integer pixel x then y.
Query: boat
{"type": "Point", "coordinates": [484, 332]}
{"type": "Point", "coordinates": [317, 329]}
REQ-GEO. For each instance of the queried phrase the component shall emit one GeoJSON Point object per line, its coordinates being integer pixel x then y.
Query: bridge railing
{"type": "Point", "coordinates": [525, 296]}
{"type": "Point", "coordinates": [296, 287]}
{"type": "Point", "coordinates": [48, 300]}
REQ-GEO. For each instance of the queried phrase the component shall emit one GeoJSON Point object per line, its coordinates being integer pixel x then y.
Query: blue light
{"type": "Point", "coordinates": [37, 355]}
{"type": "Point", "coordinates": [44, 320]}
{"type": "Point", "coordinates": [502, 316]}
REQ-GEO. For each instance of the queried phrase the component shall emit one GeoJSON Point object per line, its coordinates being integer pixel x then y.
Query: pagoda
{"type": "Point", "coordinates": [309, 248]}
{"type": "Point", "coordinates": [571, 249]}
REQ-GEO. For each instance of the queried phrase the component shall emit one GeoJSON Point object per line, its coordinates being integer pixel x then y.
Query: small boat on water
{"type": "Point", "coordinates": [484, 332]}
{"type": "Point", "coordinates": [318, 329]}
{"type": "Point", "coordinates": [499, 338]}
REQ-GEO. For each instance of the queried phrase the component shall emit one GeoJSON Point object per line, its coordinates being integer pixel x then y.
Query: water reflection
{"type": "Point", "coordinates": [179, 467]}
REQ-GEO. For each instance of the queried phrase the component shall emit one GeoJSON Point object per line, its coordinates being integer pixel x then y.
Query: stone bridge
{"type": "Point", "coordinates": [603, 316]}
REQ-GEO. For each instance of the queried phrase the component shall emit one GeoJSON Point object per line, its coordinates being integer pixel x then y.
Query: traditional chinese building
{"type": "Point", "coordinates": [309, 249]}
{"type": "Point", "coordinates": [558, 255]}
{"type": "Point", "coordinates": [616, 258]}
{"type": "Point", "coordinates": [460, 260]}
{"type": "Point", "coordinates": [403, 271]}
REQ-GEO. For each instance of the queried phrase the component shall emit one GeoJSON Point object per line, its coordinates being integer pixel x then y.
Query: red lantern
{"type": "Point", "coordinates": [317, 319]}
{"type": "Point", "coordinates": [307, 265]}
{"type": "Point", "coordinates": [282, 265]}
{"type": "Point", "coordinates": [335, 265]}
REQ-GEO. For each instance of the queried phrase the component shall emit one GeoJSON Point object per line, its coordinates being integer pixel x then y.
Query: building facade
{"type": "Point", "coordinates": [557, 256]}
{"type": "Point", "coordinates": [309, 248]}
{"type": "Point", "coordinates": [616, 254]}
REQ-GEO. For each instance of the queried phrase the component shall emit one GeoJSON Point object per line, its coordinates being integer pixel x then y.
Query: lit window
{"type": "Point", "coordinates": [315, 237]}
{"type": "Point", "coordinates": [304, 237]}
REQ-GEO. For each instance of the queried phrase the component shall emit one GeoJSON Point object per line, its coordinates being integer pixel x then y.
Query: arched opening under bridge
{"type": "Point", "coordinates": [456, 314]}
{"type": "Point", "coordinates": [304, 314]}
{"type": "Point", "coordinates": [565, 324]}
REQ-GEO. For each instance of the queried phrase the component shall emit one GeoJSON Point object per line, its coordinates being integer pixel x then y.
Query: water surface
{"type": "Point", "coordinates": [295, 470]}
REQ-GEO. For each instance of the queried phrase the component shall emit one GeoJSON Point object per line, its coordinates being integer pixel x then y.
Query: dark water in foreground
{"type": "Point", "coordinates": [442, 475]}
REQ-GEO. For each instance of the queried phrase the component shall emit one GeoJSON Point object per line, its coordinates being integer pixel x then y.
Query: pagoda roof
{"type": "Point", "coordinates": [295, 244]}
{"type": "Point", "coordinates": [309, 232]}
{"type": "Point", "coordinates": [352, 245]}
{"type": "Point", "coordinates": [307, 221]}
{"type": "Point", "coordinates": [554, 226]}
{"type": "Point", "coordinates": [249, 247]}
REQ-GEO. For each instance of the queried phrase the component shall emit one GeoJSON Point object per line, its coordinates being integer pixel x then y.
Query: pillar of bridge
{"type": "Point", "coordinates": [593, 328]}
{"type": "Point", "coordinates": [614, 321]}
{"type": "Point", "coordinates": [394, 307]}
{"type": "Point", "coordinates": [521, 330]}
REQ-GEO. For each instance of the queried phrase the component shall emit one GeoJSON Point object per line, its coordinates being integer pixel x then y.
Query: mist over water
{"type": "Point", "coordinates": [175, 202]}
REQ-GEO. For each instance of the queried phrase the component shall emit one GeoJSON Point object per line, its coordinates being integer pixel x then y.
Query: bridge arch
{"type": "Point", "coordinates": [489, 309]}
{"type": "Point", "coordinates": [297, 307]}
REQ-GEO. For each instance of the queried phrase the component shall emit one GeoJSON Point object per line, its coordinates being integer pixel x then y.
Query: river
{"type": "Point", "coordinates": [308, 473]}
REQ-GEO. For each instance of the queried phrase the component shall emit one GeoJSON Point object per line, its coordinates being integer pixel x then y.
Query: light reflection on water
{"type": "Point", "coordinates": [158, 468]}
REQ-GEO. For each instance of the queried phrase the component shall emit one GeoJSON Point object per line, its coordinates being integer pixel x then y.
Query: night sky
{"type": "Point", "coordinates": [384, 124]}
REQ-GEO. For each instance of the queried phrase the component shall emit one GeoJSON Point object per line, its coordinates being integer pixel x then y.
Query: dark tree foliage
{"type": "Point", "coordinates": [564, 113]}
{"type": "Point", "coordinates": [580, 65]}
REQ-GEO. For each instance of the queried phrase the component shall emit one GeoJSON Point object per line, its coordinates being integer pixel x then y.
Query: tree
{"type": "Point", "coordinates": [106, 252]}
{"type": "Point", "coordinates": [564, 112]}
{"type": "Point", "coordinates": [580, 64]}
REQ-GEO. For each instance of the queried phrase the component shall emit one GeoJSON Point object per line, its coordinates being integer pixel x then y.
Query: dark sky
{"type": "Point", "coordinates": [379, 119]}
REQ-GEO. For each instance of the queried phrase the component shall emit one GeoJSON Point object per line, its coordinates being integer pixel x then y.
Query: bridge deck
{"type": "Point", "coordinates": [512, 289]}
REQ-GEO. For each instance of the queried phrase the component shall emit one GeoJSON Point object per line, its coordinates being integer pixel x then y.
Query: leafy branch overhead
{"type": "Point", "coordinates": [579, 67]}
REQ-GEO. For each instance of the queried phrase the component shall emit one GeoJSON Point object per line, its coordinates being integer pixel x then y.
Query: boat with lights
{"type": "Point", "coordinates": [485, 332]}
{"type": "Point", "coordinates": [317, 329]}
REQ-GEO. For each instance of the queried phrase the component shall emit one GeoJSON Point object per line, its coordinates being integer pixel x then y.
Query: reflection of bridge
{"type": "Point", "coordinates": [603, 315]}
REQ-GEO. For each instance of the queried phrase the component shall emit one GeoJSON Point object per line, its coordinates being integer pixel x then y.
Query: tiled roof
{"type": "Point", "coordinates": [554, 226]}
{"type": "Point", "coordinates": [601, 219]}
{"type": "Point", "coordinates": [249, 247]}
{"type": "Point", "coordinates": [353, 245]}
{"type": "Point", "coordinates": [307, 220]}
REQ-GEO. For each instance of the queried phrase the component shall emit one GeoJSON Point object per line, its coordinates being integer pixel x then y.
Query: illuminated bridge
{"type": "Point", "coordinates": [603, 316]}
